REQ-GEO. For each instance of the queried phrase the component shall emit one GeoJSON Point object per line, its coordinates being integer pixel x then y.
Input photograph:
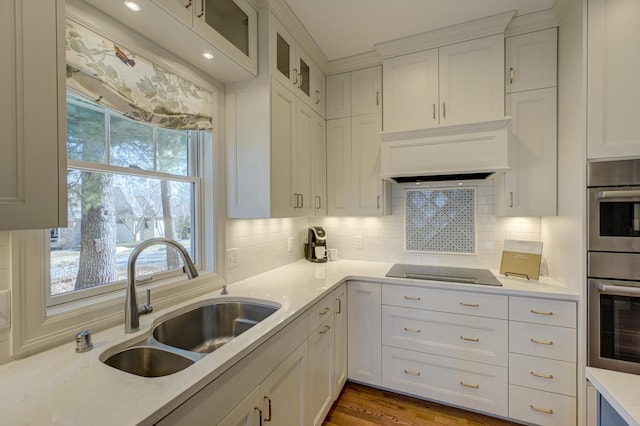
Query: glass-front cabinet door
{"type": "Point", "coordinates": [230, 25]}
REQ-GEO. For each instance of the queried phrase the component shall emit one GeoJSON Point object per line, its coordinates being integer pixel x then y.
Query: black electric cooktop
{"type": "Point", "coordinates": [444, 273]}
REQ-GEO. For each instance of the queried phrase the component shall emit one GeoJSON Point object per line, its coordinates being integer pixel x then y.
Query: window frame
{"type": "Point", "coordinates": [36, 327]}
{"type": "Point", "coordinates": [196, 157]}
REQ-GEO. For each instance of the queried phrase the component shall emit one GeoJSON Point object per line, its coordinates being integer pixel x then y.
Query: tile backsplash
{"type": "Point", "coordinates": [262, 243]}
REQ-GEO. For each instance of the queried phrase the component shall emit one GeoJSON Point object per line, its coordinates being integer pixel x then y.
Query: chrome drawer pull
{"type": "Point", "coordinates": [325, 311]}
{"type": "Point", "coordinates": [469, 386]}
{"type": "Point", "coordinates": [470, 339]}
{"type": "Point", "coordinates": [533, 311]}
{"type": "Point", "coordinates": [542, 376]}
{"type": "Point", "coordinates": [542, 342]}
{"type": "Point", "coordinates": [472, 305]}
{"type": "Point", "coordinates": [412, 330]}
{"type": "Point", "coordinates": [326, 328]}
{"type": "Point", "coordinates": [412, 373]}
{"type": "Point", "coordinates": [541, 410]}
{"type": "Point", "coordinates": [413, 298]}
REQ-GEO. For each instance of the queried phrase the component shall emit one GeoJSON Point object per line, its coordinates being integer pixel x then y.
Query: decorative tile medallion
{"type": "Point", "coordinates": [441, 220]}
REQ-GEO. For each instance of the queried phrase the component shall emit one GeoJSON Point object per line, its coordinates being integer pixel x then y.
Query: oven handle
{"type": "Point", "coordinates": [620, 289]}
{"type": "Point", "coordinates": [621, 193]}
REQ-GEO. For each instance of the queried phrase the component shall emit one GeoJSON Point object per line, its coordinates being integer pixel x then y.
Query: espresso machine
{"type": "Point", "coordinates": [315, 245]}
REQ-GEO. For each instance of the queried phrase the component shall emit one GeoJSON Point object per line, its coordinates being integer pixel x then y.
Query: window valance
{"type": "Point", "coordinates": [123, 81]}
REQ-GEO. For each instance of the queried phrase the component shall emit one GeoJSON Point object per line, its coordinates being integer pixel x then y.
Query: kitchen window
{"type": "Point", "coordinates": [127, 181]}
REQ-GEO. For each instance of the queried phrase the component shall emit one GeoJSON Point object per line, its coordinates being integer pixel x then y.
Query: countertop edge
{"type": "Point", "coordinates": [614, 385]}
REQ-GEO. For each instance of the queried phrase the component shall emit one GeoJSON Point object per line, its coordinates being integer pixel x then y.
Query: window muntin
{"type": "Point", "coordinates": [138, 181]}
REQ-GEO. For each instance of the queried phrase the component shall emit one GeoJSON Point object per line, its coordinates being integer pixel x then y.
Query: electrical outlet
{"type": "Point", "coordinates": [290, 244]}
{"type": "Point", "coordinates": [232, 257]}
{"type": "Point", "coordinates": [359, 242]}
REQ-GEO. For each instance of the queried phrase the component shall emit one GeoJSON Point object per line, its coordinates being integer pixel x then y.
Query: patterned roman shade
{"type": "Point", "coordinates": [121, 80]}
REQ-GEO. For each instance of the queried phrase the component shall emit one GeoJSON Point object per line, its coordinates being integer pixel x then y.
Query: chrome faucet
{"type": "Point", "coordinates": [131, 309]}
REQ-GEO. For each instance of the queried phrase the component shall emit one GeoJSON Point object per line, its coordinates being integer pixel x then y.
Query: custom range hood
{"type": "Point", "coordinates": [455, 152]}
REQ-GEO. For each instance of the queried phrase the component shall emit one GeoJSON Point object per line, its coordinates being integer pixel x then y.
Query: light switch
{"type": "Point", "coordinates": [5, 308]}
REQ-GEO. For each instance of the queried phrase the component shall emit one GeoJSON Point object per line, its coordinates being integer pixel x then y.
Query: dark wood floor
{"type": "Point", "coordinates": [363, 406]}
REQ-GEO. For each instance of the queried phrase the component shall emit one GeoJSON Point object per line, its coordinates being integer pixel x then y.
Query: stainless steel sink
{"type": "Point", "coordinates": [182, 339]}
{"type": "Point", "coordinates": [148, 361]}
{"type": "Point", "coordinates": [206, 328]}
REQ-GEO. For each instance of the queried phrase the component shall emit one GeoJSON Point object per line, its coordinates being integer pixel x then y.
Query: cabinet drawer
{"type": "Point", "coordinates": [463, 383]}
{"type": "Point", "coordinates": [541, 408]}
{"type": "Point", "coordinates": [452, 335]}
{"type": "Point", "coordinates": [542, 340]}
{"type": "Point", "coordinates": [543, 311]}
{"type": "Point", "coordinates": [457, 302]}
{"type": "Point", "coordinates": [321, 311]}
{"type": "Point", "coordinates": [543, 374]}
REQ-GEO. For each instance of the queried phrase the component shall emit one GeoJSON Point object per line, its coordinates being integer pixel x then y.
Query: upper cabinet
{"type": "Point", "coordinates": [458, 83]}
{"type": "Point", "coordinates": [613, 87]}
{"type": "Point", "coordinates": [529, 188]}
{"type": "Point", "coordinates": [354, 93]}
{"type": "Point", "coordinates": [225, 29]}
{"type": "Point", "coordinates": [294, 68]}
{"type": "Point", "coordinates": [32, 124]}
{"type": "Point", "coordinates": [531, 61]}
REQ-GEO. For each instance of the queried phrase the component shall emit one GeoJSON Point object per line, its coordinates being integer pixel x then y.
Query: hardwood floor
{"type": "Point", "coordinates": [363, 406]}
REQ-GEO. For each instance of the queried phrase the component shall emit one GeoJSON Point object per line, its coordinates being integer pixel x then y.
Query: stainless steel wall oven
{"type": "Point", "coordinates": [614, 265]}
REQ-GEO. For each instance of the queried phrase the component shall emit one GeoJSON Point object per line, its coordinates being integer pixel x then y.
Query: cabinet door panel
{"type": "Point", "coordinates": [339, 157]}
{"type": "Point", "coordinates": [246, 413]}
{"type": "Point", "coordinates": [301, 166]}
{"type": "Point", "coordinates": [321, 353]}
{"type": "Point", "coordinates": [182, 10]}
{"type": "Point", "coordinates": [339, 96]}
{"type": "Point", "coordinates": [319, 165]}
{"type": "Point", "coordinates": [340, 336]}
{"type": "Point", "coordinates": [366, 91]}
{"type": "Point", "coordinates": [531, 61]}
{"type": "Point", "coordinates": [365, 340]}
{"type": "Point", "coordinates": [367, 185]}
{"type": "Point", "coordinates": [471, 80]}
{"type": "Point", "coordinates": [283, 55]}
{"type": "Point", "coordinates": [285, 390]}
{"type": "Point", "coordinates": [283, 132]}
{"type": "Point", "coordinates": [411, 91]}
{"type": "Point", "coordinates": [613, 89]}
{"type": "Point", "coordinates": [531, 184]}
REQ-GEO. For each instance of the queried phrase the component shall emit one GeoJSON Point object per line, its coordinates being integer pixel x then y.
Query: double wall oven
{"type": "Point", "coordinates": [614, 265]}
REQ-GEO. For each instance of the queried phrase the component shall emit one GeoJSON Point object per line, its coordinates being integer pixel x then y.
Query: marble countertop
{"type": "Point", "coordinates": [61, 387]}
{"type": "Point", "coordinates": [622, 390]}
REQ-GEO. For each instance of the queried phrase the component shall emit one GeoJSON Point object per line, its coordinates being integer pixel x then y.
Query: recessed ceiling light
{"type": "Point", "coordinates": [208, 55]}
{"type": "Point", "coordinates": [133, 6]}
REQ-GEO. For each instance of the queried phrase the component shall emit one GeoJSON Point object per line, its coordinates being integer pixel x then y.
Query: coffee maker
{"type": "Point", "coordinates": [315, 245]}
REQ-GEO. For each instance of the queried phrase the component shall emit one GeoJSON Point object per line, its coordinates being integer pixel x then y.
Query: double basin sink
{"type": "Point", "coordinates": [187, 336]}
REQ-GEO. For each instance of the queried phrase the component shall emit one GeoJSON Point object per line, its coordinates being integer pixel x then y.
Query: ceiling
{"type": "Point", "coordinates": [343, 28]}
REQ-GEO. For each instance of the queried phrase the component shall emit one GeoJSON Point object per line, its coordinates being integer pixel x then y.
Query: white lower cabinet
{"type": "Point", "coordinates": [365, 340]}
{"type": "Point", "coordinates": [321, 381]}
{"type": "Point", "coordinates": [541, 408]}
{"type": "Point", "coordinates": [462, 383]}
{"type": "Point", "coordinates": [341, 339]}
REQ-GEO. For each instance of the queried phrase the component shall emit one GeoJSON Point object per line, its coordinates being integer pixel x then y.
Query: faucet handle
{"type": "Point", "coordinates": [147, 308]}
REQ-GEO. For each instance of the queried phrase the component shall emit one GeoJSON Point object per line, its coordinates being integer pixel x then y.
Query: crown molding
{"type": "Point", "coordinates": [355, 62]}
{"type": "Point", "coordinates": [484, 27]}
{"type": "Point", "coordinates": [532, 22]}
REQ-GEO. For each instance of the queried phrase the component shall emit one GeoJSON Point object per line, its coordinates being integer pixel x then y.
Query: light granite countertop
{"type": "Point", "coordinates": [61, 387]}
{"type": "Point", "coordinates": [621, 390]}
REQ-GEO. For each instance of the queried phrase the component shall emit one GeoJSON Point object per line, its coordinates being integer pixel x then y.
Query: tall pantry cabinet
{"type": "Point", "coordinates": [32, 108]}
{"type": "Point", "coordinates": [275, 131]}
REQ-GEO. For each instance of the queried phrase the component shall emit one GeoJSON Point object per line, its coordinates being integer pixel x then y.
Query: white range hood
{"type": "Point", "coordinates": [454, 152]}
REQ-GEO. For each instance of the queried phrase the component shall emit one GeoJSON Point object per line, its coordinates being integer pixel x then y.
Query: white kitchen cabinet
{"type": "Point", "coordinates": [529, 188]}
{"type": "Point", "coordinates": [458, 83]}
{"type": "Point", "coordinates": [542, 361]}
{"type": "Point", "coordinates": [319, 164]}
{"type": "Point", "coordinates": [301, 166]}
{"type": "Point", "coordinates": [230, 25]}
{"type": "Point", "coordinates": [354, 187]}
{"type": "Point", "coordinates": [246, 413]}
{"type": "Point", "coordinates": [32, 111]}
{"type": "Point", "coordinates": [613, 89]}
{"type": "Point", "coordinates": [365, 338]}
{"type": "Point", "coordinates": [321, 380]}
{"type": "Point", "coordinates": [531, 61]}
{"type": "Point", "coordinates": [340, 338]}
{"type": "Point", "coordinates": [284, 393]}
{"type": "Point", "coordinates": [294, 68]}
{"type": "Point", "coordinates": [354, 93]}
